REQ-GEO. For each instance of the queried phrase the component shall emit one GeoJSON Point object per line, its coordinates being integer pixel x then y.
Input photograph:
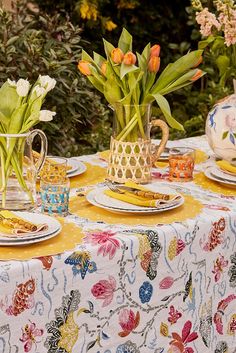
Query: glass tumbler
{"type": "Point", "coordinates": [55, 187]}
{"type": "Point", "coordinates": [181, 163]}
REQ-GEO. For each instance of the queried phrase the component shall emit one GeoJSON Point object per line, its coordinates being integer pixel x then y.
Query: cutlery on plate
{"type": "Point", "coordinates": [148, 194]}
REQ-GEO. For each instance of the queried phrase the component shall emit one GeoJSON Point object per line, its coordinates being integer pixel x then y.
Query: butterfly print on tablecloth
{"type": "Point", "coordinates": [81, 263]}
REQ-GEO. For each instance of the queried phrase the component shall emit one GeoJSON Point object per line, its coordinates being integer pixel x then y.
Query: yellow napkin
{"type": "Point", "coordinates": [133, 199]}
{"type": "Point", "coordinates": [226, 166]}
{"type": "Point", "coordinates": [12, 225]}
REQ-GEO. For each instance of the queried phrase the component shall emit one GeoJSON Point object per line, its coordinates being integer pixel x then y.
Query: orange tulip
{"type": "Point", "coordinates": [155, 50]}
{"type": "Point", "coordinates": [117, 55]}
{"type": "Point", "coordinates": [83, 66]}
{"type": "Point", "coordinates": [104, 68]}
{"type": "Point", "coordinates": [154, 64]}
{"type": "Point", "coordinates": [199, 61]}
{"type": "Point", "coordinates": [129, 58]}
{"type": "Point", "coordinates": [197, 75]}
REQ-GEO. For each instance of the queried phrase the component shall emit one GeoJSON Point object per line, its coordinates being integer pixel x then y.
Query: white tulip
{"type": "Point", "coordinates": [47, 82]}
{"type": "Point", "coordinates": [11, 83]}
{"type": "Point", "coordinates": [46, 115]}
{"type": "Point", "coordinates": [40, 91]}
{"type": "Point", "coordinates": [22, 87]}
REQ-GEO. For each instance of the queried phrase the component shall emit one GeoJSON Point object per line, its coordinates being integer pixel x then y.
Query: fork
{"type": "Point", "coordinates": [120, 189]}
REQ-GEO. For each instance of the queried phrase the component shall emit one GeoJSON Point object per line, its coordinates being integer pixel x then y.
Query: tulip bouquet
{"type": "Point", "coordinates": [131, 80]}
{"type": "Point", "coordinates": [20, 110]}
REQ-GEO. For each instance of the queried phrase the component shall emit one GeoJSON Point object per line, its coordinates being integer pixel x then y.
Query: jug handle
{"type": "Point", "coordinates": [44, 147]}
{"type": "Point", "coordinates": [157, 150]}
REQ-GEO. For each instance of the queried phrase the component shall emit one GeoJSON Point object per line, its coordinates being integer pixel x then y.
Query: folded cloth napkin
{"type": "Point", "coordinates": [148, 199]}
{"type": "Point", "coordinates": [224, 165]}
{"type": "Point", "coordinates": [12, 225]}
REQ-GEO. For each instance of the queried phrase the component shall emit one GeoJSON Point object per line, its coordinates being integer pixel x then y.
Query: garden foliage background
{"type": "Point", "coordinates": [47, 37]}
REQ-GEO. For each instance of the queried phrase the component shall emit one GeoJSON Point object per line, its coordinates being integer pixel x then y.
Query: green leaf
{"type": "Point", "coordinates": [17, 119]}
{"type": "Point", "coordinates": [204, 43]}
{"type": "Point", "coordinates": [218, 43]}
{"type": "Point", "coordinates": [96, 83]}
{"type": "Point", "coordinates": [108, 47]}
{"type": "Point", "coordinates": [225, 134]}
{"type": "Point", "coordinates": [222, 62]}
{"type": "Point", "coordinates": [146, 51]}
{"type": "Point", "coordinates": [98, 59]}
{"type": "Point", "coordinates": [125, 41]}
{"type": "Point", "coordinates": [112, 92]}
{"type": "Point", "coordinates": [175, 70]}
{"type": "Point", "coordinates": [165, 108]}
{"type": "Point", "coordinates": [125, 69]}
{"type": "Point", "coordinates": [8, 99]}
{"type": "Point", "coordinates": [3, 119]}
{"type": "Point", "coordinates": [86, 57]}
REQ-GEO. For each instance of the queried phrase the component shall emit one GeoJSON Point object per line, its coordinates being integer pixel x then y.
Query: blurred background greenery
{"type": "Point", "coordinates": [46, 37]}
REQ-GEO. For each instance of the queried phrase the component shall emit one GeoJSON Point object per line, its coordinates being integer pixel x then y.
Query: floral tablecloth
{"type": "Point", "coordinates": [130, 288]}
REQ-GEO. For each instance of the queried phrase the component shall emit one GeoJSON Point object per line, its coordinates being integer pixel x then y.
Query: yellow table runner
{"type": "Point", "coordinates": [94, 174]}
{"type": "Point", "coordinates": [207, 184]}
{"type": "Point", "coordinates": [81, 207]}
{"type": "Point", "coordinates": [69, 237]}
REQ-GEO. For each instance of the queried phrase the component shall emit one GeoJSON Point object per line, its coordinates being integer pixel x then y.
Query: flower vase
{"type": "Point", "coordinates": [19, 171]}
{"type": "Point", "coordinates": [131, 151]}
{"type": "Point", "coordinates": [221, 129]}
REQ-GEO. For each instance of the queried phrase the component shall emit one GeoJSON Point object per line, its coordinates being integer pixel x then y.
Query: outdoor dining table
{"type": "Point", "coordinates": [128, 283]}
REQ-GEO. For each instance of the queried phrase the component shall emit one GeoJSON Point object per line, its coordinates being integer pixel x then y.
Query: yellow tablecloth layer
{"type": "Point", "coordinates": [207, 184]}
{"type": "Point", "coordinates": [70, 236]}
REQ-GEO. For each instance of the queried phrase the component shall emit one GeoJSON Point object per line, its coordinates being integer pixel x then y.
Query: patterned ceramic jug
{"type": "Point", "coordinates": [221, 129]}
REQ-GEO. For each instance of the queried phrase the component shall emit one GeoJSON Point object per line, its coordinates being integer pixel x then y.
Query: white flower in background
{"type": "Point", "coordinates": [47, 82]}
{"type": "Point", "coordinates": [22, 87]}
{"type": "Point", "coordinates": [40, 91]}
{"type": "Point", "coordinates": [11, 83]}
{"type": "Point", "coordinates": [46, 115]}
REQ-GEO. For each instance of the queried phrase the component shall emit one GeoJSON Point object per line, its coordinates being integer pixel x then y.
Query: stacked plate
{"type": "Point", "coordinates": [221, 176]}
{"type": "Point", "coordinates": [98, 198]}
{"type": "Point", "coordinates": [54, 228]}
{"type": "Point", "coordinates": [76, 167]}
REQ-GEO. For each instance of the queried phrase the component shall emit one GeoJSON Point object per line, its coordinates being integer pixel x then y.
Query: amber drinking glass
{"type": "Point", "coordinates": [181, 164]}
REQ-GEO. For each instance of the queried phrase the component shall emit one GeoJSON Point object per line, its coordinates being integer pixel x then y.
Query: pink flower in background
{"type": "Point", "coordinates": [219, 265]}
{"type": "Point", "coordinates": [104, 289]}
{"type": "Point", "coordinates": [106, 241]}
{"type": "Point", "coordinates": [207, 20]}
{"type": "Point", "coordinates": [128, 321]}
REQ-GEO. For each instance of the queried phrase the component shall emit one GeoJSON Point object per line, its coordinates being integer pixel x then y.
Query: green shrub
{"type": "Point", "coordinates": [33, 43]}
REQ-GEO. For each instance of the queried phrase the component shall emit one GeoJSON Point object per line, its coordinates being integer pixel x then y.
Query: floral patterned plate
{"type": "Point", "coordinates": [209, 173]}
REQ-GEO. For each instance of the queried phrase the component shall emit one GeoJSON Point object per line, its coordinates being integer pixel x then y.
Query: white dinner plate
{"type": "Point", "coordinates": [219, 173]}
{"type": "Point", "coordinates": [97, 198]}
{"type": "Point", "coordinates": [77, 167]}
{"type": "Point", "coordinates": [54, 227]}
{"type": "Point", "coordinates": [209, 173]}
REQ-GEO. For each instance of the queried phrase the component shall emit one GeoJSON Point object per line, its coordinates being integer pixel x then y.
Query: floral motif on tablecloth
{"type": "Point", "coordinates": [106, 241]}
{"type": "Point", "coordinates": [145, 292]}
{"type": "Point", "coordinates": [221, 308]}
{"type": "Point", "coordinates": [64, 331]}
{"type": "Point", "coordinates": [219, 266]}
{"type": "Point", "coordinates": [30, 334]}
{"type": "Point", "coordinates": [215, 236]}
{"type": "Point", "coordinates": [179, 344]}
{"type": "Point", "coordinates": [81, 263]}
{"type": "Point", "coordinates": [149, 251]}
{"type": "Point", "coordinates": [104, 290]}
{"type": "Point", "coordinates": [128, 321]}
{"type": "Point", "coordinates": [22, 298]}
{"type": "Point", "coordinates": [232, 271]}
{"type": "Point", "coordinates": [205, 328]}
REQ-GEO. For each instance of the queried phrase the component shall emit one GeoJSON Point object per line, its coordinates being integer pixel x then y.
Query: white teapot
{"type": "Point", "coordinates": [221, 129]}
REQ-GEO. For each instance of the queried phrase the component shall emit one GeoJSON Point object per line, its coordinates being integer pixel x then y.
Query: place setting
{"type": "Point", "coordinates": [222, 172]}
{"type": "Point", "coordinates": [131, 198]}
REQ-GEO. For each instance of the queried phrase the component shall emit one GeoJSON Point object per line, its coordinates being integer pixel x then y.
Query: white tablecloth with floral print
{"type": "Point", "coordinates": [130, 289]}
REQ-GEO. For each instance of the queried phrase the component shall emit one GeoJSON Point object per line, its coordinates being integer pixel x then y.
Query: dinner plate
{"type": "Point", "coordinates": [208, 174]}
{"type": "Point", "coordinates": [77, 167]}
{"type": "Point", "coordinates": [54, 227]}
{"type": "Point", "coordinates": [98, 198]}
{"type": "Point", "coordinates": [219, 173]}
